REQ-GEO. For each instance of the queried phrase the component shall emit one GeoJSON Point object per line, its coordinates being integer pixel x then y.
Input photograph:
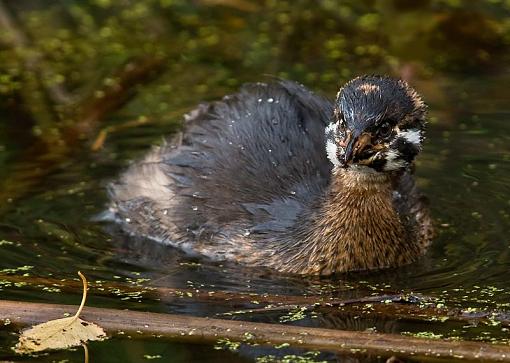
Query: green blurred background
{"type": "Point", "coordinates": [87, 86]}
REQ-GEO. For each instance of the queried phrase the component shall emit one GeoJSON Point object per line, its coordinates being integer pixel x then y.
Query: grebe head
{"type": "Point", "coordinates": [378, 125]}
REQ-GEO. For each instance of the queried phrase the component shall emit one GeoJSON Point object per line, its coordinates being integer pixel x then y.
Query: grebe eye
{"type": "Point", "coordinates": [384, 131]}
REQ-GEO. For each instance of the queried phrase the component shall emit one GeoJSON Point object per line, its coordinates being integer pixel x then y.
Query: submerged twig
{"type": "Point", "coordinates": [45, 156]}
{"type": "Point", "coordinates": [113, 96]}
{"type": "Point", "coordinates": [398, 298]}
{"type": "Point", "coordinates": [101, 136]}
{"type": "Point", "coordinates": [390, 306]}
{"type": "Point", "coordinates": [193, 329]}
{"type": "Point", "coordinates": [104, 132]}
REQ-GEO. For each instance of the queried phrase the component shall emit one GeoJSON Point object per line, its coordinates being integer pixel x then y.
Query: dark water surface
{"type": "Point", "coordinates": [49, 231]}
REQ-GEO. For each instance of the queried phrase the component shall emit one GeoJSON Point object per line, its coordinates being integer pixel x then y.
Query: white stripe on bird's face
{"type": "Point", "coordinates": [331, 150]}
{"type": "Point", "coordinates": [331, 144]}
{"type": "Point", "coordinates": [412, 136]}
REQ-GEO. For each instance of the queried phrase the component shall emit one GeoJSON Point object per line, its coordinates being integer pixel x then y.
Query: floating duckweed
{"type": "Point", "coordinates": [227, 344]}
{"type": "Point", "coordinates": [308, 357]}
{"type": "Point", "coordinates": [424, 334]}
{"type": "Point", "coordinates": [283, 345]}
{"type": "Point", "coordinates": [294, 315]}
{"type": "Point", "coordinates": [16, 269]}
{"type": "Point", "coordinates": [51, 289]}
{"type": "Point", "coordinates": [470, 310]}
{"type": "Point", "coordinates": [248, 336]}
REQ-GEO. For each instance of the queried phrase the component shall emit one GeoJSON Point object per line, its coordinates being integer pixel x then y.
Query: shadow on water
{"type": "Point", "coordinates": [453, 54]}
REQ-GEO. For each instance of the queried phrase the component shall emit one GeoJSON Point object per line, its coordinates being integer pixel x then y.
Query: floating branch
{"type": "Point", "coordinates": [408, 307]}
{"type": "Point", "coordinates": [204, 330]}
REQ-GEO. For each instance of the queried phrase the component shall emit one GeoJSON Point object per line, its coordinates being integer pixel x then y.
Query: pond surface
{"type": "Point", "coordinates": [49, 231]}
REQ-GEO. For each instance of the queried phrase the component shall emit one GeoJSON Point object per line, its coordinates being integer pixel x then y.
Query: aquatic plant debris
{"type": "Point", "coordinates": [60, 333]}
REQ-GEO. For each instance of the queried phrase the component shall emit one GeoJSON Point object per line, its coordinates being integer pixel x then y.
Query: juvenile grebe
{"type": "Point", "coordinates": [277, 176]}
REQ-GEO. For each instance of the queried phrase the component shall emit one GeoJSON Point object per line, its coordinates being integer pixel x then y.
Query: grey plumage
{"type": "Point", "coordinates": [242, 180]}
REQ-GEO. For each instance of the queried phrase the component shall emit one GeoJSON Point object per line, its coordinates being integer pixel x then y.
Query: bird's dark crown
{"type": "Point", "coordinates": [378, 123]}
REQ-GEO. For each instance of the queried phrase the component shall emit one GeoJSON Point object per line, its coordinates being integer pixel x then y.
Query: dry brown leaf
{"type": "Point", "coordinates": [60, 333]}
